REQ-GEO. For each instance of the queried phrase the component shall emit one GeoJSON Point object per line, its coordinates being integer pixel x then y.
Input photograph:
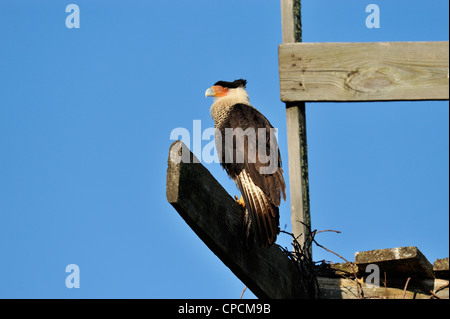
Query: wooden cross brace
{"type": "Point", "coordinates": [217, 219]}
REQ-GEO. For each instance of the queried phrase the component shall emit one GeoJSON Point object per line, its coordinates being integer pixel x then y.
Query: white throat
{"type": "Point", "coordinates": [234, 96]}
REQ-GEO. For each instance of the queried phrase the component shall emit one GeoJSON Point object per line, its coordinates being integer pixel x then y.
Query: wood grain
{"type": "Point", "coordinates": [341, 288]}
{"type": "Point", "coordinates": [296, 135]}
{"type": "Point", "coordinates": [217, 219]}
{"type": "Point", "coordinates": [383, 71]}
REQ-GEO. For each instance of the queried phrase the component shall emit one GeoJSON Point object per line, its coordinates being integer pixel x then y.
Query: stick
{"type": "Point", "coordinates": [242, 294]}
{"type": "Point", "coordinates": [434, 295]}
{"type": "Point", "coordinates": [385, 286]}
{"type": "Point", "coordinates": [406, 286]}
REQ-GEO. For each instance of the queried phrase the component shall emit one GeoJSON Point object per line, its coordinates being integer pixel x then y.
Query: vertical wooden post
{"type": "Point", "coordinates": [296, 132]}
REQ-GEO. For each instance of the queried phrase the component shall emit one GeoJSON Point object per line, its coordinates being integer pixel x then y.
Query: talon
{"type": "Point", "coordinates": [240, 201]}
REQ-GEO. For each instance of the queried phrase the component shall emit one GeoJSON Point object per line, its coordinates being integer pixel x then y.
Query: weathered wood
{"type": "Point", "coordinates": [342, 288]}
{"type": "Point", "coordinates": [296, 134]}
{"type": "Point", "coordinates": [314, 72]}
{"type": "Point", "coordinates": [338, 270]}
{"type": "Point", "coordinates": [441, 268]}
{"type": "Point", "coordinates": [291, 21]}
{"type": "Point", "coordinates": [398, 268]}
{"type": "Point", "coordinates": [298, 172]}
{"type": "Point", "coordinates": [217, 219]}
{"type": "Point", "coordinates": [399, 262]}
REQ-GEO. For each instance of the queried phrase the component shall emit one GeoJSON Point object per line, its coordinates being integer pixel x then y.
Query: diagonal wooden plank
{"type": "Point", "coordinates": [217, 219]}
{"type": "Point", "coordinates": [382, 71]}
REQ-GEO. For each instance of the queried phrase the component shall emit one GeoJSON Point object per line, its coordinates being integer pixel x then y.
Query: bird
{"type": "Point", "coordinates": [254, 163]}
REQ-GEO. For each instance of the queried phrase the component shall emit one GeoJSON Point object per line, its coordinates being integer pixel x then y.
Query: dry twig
{"type": "Point", "coordinates": [434, 295]}
{"type": "Point", "coordinates": [358, 284]}
{"type": "Point", "coordinates": [302, 259]}
{"type": "Point", "coordinates": [385, 286]}
{"type": "Point", "coordinates": [441, 288]}
{"type": "Point", "coordinates": [406, 286]}
{"type": "Point", "coordinates": [304, 264]}
{"type": "Point", "coordinates": [242, 294]}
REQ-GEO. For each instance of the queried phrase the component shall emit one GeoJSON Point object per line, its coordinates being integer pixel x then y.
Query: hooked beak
{"type": "Point", "coordinates": [216, 91]}
{"type": "Point", "coordinates": [210, 92]}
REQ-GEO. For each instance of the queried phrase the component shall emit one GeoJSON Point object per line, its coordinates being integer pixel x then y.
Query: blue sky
{"type": "Point", "coordinates": [85, 122]}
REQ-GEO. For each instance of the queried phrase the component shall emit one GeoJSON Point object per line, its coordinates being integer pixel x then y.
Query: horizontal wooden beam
{"type": "Point", "coordinates": [399, 262]}
{"type": "Point", "coordinates": [383, 71]}
{"type": "Point", "coordinates": [217, 219]}
{"type": "Point", "coordinates": [441, 268]}
{"type": "Point", "coordinates": [342, 288]}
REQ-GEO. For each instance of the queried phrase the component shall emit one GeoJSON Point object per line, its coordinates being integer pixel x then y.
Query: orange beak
{"type": "Point", "coordinates": [216, 91]}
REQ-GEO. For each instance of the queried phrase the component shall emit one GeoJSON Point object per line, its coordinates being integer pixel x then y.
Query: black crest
{"type": "Point", "coordinates": [232, 85]}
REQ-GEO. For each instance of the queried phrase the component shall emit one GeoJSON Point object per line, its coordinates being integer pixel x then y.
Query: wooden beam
{"type": "Point", "coordinates": [217, 219]}
{"type": "Point", "coordinates": [291, 21]}
{"type": "Point", "coordinates": [334, 72]}
{"type": "Point", "coordinates": [296, 134]}
{"type": "Point", "coordinates": [298, 171]}
{"type": "Point", "coordinates": [398, 268]}
{"type": "Point", "coordinates": [441, 268]}
{"type": "Point", "coordinates": [342, 288]}
{"type": "Point", "coordinates": [399, 262]}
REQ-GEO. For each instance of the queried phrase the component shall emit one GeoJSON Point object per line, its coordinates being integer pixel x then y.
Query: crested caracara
{"type": "Point", "coordinates": [248, 151]}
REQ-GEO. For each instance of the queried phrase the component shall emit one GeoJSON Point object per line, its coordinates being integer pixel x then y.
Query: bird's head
{"type": "Point", "coordinates": [223, 89]}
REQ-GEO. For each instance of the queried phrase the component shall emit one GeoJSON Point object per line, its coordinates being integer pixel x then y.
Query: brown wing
{"type": "Point", "coordinates": [260, 182]}
{"type": "Point", "coordinates": [263, 214]}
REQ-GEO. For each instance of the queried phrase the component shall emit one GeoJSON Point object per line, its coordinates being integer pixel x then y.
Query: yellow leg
{"type": "Point", "coordinates": [240, 201]}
